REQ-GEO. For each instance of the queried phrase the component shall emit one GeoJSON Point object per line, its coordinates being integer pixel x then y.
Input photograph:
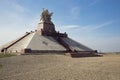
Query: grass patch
{"type": "Point", "coordinates": [1, 66]}
{"type": "Point", "coordinates": [5, 55]}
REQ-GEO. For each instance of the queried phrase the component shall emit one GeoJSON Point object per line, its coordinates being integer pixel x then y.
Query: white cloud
{"type": "Point", "coordinates": [18, 7]}
{"type": "Point", "coordinates": [70, 26]}
{"type": "Point", "coordinates": [11, 6]}
{"type": "Point", "coordinates": [75, 12]}
{"type": "Point", "coordinates": [93, 2]}
{"type": "Point", "coordinates": [86, 28]}
{"type": "Point", "coordinates": [14, 21]}
{"type": "Point", "coordinates": [95, 27]}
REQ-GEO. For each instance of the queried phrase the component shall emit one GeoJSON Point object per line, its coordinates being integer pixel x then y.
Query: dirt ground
{"type": "Point", "coordinates": [60, 67]}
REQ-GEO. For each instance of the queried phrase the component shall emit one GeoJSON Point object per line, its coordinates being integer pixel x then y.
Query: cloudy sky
{"type": "Point", "coordinates": [95, 23]}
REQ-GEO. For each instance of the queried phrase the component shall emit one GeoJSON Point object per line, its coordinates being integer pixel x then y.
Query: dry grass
{"type": "Point", "coordinates": [59, 67]}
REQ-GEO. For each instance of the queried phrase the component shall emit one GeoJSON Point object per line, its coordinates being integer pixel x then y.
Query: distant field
{"type": "Point", "coordinates": [59, 67]}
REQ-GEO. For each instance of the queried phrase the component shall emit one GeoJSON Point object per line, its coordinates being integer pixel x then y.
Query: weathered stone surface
{"type": "Point", "coordinates": [75, 45]}
{"type": "Point", "coordinates": [39, 42]}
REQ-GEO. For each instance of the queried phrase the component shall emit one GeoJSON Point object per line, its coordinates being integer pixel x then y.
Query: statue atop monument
{"type": "Point", "coordinates": [46, 16]}
{"type": "Point", "coordinates": [46, 27]}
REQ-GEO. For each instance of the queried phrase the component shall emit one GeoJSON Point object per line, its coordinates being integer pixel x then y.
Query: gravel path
{"type": "Point", "coordinates": [60, 67]}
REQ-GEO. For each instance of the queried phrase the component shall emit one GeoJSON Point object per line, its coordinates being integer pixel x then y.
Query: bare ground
{"type": "Point", "coordinates": [60, 67]}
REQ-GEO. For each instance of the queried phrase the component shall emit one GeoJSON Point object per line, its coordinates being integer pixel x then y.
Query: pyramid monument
{"type": "Point", "coordinates": [46, 40]}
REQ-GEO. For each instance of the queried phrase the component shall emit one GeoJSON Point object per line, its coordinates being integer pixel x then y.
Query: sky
{"type": "Point", "coordinates": [94, 23]}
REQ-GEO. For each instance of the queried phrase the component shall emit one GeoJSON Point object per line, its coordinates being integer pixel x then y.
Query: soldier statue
{"type": "Point", "coordinates": [46, 16]}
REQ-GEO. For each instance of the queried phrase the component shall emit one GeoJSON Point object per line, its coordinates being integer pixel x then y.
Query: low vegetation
{"type": "Point", "coordinates": [0, 66]}
{"type": "Point", "coordinates": [5, 55]}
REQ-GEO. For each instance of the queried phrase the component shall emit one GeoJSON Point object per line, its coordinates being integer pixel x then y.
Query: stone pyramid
{"type": "Point", "coordinates": [44, 40]}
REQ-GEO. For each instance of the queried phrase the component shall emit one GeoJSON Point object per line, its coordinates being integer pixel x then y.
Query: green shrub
{"type": "Point", "coordinates": [5, 55]}
{"type": "Point", "coordinates": [0, 66]}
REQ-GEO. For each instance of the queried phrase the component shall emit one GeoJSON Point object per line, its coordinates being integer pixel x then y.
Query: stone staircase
{"type": "Point", "coordinates": [63, 43]}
